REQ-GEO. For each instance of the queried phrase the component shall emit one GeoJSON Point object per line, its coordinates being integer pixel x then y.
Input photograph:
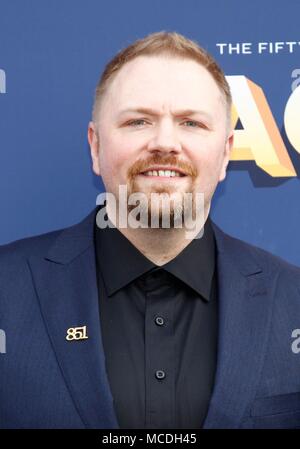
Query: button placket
{"type": "Point", "coordinates": [159, 353]}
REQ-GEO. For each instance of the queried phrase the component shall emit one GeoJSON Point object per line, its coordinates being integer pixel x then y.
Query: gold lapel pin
{"type": "Point", "coordinates": [76, 333]}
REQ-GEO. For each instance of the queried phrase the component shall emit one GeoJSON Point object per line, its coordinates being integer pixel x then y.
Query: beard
{"type": "Point", "coordinates": [171, 209]}
{"type": "Point", "coordinates": [163, 206]}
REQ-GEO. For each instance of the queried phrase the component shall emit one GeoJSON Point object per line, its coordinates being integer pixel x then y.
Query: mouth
{"type": "Point", "coordinates": [163, 173]}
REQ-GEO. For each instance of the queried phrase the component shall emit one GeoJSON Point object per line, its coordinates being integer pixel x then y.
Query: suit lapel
{"type": "Point", "coordinates": [66, 285]}
{"type": "Point", "coordinates": [245, 304]}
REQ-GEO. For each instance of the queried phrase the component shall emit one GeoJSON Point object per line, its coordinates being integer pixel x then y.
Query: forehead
{"type": "Point", "coordinates": [154, 81]}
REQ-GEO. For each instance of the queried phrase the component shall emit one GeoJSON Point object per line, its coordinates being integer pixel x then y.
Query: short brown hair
{"type": "Point", "coordinates": [162, 43]}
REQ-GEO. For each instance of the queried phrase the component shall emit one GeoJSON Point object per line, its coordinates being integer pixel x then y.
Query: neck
{"type": "Point", "coordinates": [160, 245]}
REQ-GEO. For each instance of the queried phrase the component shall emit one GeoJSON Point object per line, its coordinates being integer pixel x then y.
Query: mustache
{"type": "Point", "coordinates": [142, 165]}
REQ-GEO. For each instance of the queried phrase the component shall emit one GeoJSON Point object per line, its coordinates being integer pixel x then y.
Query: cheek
{"type": "Point", "coordinates": [111, 168]}
{"type": "Point", "coordinates": [211, 156]}
{"type": "Point", "coordinates": [205, 164]}
{"type": "Point", "coordinates": [111, 156]}
{"type": "Point", "coordinates": [120, 151]}
{"type": "Point", "coordinates": [114, 170]}
{"type": "Point", "coordinates": [208, 163]}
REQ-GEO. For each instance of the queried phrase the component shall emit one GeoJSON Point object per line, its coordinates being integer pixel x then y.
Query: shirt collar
{"type": "Point", "coordinates": [120, 262]}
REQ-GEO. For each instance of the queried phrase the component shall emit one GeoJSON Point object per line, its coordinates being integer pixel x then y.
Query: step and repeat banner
{"type": "Point", "coordinates": [52, 53]}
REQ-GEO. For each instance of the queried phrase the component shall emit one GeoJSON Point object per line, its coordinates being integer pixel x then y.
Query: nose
{"type": "Point", "coordinates": [165, 139]}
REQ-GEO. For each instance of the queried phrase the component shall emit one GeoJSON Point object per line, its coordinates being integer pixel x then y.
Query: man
{"type": "Point", "coordinates": [139, 326]}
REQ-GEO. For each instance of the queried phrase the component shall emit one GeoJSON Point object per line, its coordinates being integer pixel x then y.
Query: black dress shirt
{"type": "Point", "coordinates": [159, 331]}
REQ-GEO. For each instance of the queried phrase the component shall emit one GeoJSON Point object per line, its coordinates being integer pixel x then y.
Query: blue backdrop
{"type": "Point", "coordinates": [52, 53]}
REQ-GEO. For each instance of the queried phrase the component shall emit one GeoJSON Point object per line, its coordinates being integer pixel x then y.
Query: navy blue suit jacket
{"type": "Point", "coordinates": [48, 284]}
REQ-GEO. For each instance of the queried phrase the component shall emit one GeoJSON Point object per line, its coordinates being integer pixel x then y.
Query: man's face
{"type": "Point", "coordinates": [146, 124]}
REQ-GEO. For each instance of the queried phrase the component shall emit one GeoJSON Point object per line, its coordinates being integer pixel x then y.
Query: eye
{"type": "Point", "coordinates": [137, 122]}
{"type": "Point", "coordinates": [194, 124]}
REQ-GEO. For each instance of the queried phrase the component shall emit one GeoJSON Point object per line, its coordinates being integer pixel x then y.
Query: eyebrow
{"type": "Point", "coordinates": [179, 113]}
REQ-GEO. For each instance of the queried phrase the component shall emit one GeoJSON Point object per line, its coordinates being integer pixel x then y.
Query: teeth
{"type": "Point", "coordinates": [164, 173]}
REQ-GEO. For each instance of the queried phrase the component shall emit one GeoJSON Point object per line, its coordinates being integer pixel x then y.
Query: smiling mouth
{"type": "Point", "coordinates": [163, 174]}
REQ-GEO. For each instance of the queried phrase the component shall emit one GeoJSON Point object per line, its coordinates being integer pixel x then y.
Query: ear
{"type": "Point", "coordinates": [94, 143]}
{"type": "Point", "coordinates": [226, 154]}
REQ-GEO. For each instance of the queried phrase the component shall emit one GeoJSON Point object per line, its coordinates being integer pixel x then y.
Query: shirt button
{"type": "Point", "coordinates": [159, 321]}
{"type": "Point", "coordinates": [160, 374]}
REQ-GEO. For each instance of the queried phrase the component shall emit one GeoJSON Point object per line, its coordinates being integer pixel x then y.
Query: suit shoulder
{"type": "Point", "coordinates": [29, 246]}
{"type": "Point", "coordinates": [273, 259]}
{"type": "Point", "coordinates": [240, 248]}
{"type": "Point", "coordinates": [39, 245]}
